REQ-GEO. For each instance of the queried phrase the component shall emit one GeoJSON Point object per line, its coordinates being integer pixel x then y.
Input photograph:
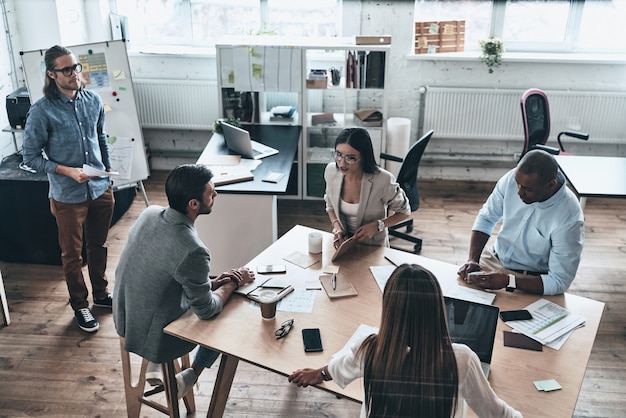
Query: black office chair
{"type": "Point", "coordinates": [536, 118]}
{"type": "Point", "coordinates": [407, 179]}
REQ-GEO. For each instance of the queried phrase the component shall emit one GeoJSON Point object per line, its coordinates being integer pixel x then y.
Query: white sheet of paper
{"type": "Point", "coordinates": [91, 171]}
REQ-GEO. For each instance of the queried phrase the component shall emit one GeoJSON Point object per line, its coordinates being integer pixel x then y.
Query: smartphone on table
{"type": "Point", "coordinates": [471, 277]}
{"type": "Point", "coordinates": [271, 269]}
{"type": "Point", "coordinates": [520, 315]}
{"type": "Point", "coordinates": [312, 340]}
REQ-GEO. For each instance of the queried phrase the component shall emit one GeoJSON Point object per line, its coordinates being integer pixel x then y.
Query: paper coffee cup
{"type": "Point", "coordinates": [268, 299]}
{"type": "Point", "coordinates": [315, 242]}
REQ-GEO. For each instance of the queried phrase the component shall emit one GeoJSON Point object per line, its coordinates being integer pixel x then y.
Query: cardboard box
{"type": "Point", "coordinates": [316, 84]}
{"type": "Point", "coordinates": [373, 40]}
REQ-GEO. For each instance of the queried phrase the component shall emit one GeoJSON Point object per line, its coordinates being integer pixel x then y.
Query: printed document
{"type": "Point", "coordinates": [550, 322]}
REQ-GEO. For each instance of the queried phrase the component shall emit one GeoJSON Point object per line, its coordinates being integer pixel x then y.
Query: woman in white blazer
{"type": "Point", "coordinates": [362, 199]}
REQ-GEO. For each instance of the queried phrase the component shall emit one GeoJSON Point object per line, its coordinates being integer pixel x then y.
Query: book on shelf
{"type": "Point", "coordinates": [365, 69]}
{"type": "Point", "coordinates": [283, 111]}
{"type": "Point", "coordinates": [369, 117]}
{"type": "Point", "coordinates": [323, 119]}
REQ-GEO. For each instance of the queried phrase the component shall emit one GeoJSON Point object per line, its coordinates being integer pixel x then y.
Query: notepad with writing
{"type": "Point", "coordinates": [343, 287]}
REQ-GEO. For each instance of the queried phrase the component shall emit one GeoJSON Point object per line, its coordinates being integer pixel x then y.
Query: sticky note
{"type": "Point", "coordinates": [547, 385]}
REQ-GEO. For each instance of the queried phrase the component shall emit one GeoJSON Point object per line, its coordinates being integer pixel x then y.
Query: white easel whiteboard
{"type": "Point", "coordinates": [107, 72]}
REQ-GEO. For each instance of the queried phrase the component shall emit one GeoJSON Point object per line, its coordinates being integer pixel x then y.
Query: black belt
{"type": "Point", "coordinates": [527, 272]}
{"type": "Point", "coordinates": [524, 272]}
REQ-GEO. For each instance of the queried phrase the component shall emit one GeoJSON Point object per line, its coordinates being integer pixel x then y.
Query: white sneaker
{"type": "Point", "coordinates": [185, 381]}
{"type": "Point", "coordinates": [154, 374]}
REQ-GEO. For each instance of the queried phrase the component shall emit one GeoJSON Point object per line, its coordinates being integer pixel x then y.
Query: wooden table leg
{"type": "Point", "coordinates": [223, 382]}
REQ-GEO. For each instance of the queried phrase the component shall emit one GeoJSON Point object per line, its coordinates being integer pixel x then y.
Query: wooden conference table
{"type": "Point", "coordinates": [592, 176]}
{"type": "Point", "coordinates": [240, 333]}
{"type": "Point", "coordinates": [244, 218]}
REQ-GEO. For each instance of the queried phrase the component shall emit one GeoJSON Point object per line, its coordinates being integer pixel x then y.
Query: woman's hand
{"type": "Point", "coordinates": [306, 377]}
{"type": "Point", "coordinates": [339, 236]}
{"type": "Point", "coordinates": [366, 231]}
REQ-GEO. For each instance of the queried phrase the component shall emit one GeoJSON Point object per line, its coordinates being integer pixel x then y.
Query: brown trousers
{"type": "Point", "coordinates": [95, 217]}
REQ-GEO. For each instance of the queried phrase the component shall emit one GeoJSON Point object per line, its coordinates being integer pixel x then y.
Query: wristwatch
{"type": "Point", "coordinates": [381, 226]}
{"type": "Point", "coordinates": [511, 286]}
{"type": "Point", "coordinates": [325, 375]}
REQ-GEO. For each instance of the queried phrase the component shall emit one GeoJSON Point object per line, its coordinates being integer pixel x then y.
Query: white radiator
{"type": "Point", "coordinates": [176, 104]}
{"type": "Point", "coordinates": [473, 113]}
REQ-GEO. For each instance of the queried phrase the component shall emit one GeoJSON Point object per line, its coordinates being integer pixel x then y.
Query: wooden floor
{"type": "Point", "coordinates": [49, 368]}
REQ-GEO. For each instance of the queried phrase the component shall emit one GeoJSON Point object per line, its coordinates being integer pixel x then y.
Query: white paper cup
{"type": "Point", "coordinates": [268, 299]}
{"type": "Point", "coordinates": [315, 242]}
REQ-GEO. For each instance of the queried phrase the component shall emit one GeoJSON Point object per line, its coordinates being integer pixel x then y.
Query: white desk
{"type": "Point", "coordinates": [244, 219]}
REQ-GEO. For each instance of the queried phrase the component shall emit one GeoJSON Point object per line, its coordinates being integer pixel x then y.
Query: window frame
{"type": "Point", "coordinates": [569, 45]}
{"type": "Point", "coordinates": [189, 43]}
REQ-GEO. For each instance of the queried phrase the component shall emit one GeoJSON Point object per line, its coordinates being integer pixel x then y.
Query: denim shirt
{"type": "Point", "coordinates": [71, 133]}
{"type": "Point", "coordinates": [541, 236]}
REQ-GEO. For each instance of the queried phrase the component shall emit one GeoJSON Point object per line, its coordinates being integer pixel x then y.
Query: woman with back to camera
{"type": "Point", "coordinates": [411, 368]}
{"type": "Point", "coordinates": [359, 194]}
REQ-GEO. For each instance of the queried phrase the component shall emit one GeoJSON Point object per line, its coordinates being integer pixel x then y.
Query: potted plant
{"type": "Point", "coordinates": [492, 49]}
{"type": "Point", "coordinates": [217, 125]}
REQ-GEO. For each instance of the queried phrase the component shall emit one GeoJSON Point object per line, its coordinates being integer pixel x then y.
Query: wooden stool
{"type": "Point", "coordinates": [4, 308]}
{"type": "Point", "coordinates": [135, 395]}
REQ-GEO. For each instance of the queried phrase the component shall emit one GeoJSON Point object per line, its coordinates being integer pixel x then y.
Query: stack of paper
{"type": "Point", "coordinates": [550, 322]}
{"type": "Point", "coordinates": [230, 168]}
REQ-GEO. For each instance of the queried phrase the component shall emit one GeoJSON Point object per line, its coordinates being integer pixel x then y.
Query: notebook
{"type": "Point", "coordinates": [344, 248]}
{"type": "Point", "coordinates": [278, 284]}
{"type": "Point", "coordinates": [238, 140]}
{"type": "Point", "coordinates": [473, 324]}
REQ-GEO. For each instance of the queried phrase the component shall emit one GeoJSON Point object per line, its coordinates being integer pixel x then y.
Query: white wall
{"type": "Point", "coordinates": [7, 77]}
{"type": "Point", "coordinates": [407, 74]}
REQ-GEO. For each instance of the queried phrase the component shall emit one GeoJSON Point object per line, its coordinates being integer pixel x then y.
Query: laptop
{"type": "Point", "coordinates": [473, 324]}
{"type": "Point", "coordinates": [238, 140]}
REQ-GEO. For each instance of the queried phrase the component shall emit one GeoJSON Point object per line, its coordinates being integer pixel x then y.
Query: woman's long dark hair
{"type": "Point", "coordinates": [360, 140]}
{"type": "Point", "coordinates": [409, 366]}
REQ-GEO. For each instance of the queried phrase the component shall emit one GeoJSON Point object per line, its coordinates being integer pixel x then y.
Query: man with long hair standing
{"type": "Point", "coordinates": [411, 368]}
{"type": "Point", "coordinates": [67, 124]}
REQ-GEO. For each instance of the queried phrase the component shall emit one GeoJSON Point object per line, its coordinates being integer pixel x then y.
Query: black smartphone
{"type": "Point", "coordinates": [271, 268]}
{"type": "Point", "coordinates": [312, 339]}
{"type": "Point", "coordinates": [520, 315]}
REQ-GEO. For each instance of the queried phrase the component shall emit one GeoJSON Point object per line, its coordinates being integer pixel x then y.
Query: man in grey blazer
{"type": "Point", "coordinates": [164, 270]}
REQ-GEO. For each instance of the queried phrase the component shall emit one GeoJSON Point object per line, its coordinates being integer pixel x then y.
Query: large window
{"type": "Point", "coordinates": [584, 26]}
{"type": "Point", "coordinates": [203, 22]}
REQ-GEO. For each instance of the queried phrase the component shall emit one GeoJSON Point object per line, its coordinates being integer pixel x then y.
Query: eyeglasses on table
{"type": "Point", "coordinates": [284, 329]}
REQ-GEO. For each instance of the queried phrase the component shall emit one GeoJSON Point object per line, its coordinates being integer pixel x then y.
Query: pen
{"type": "Point", "coordinates": [334, 281]}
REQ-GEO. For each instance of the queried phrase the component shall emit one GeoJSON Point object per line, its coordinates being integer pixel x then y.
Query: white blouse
{"type": "Point", "coordinates": [350, 210]}
{"type": "Point", "coordinates": [474, 389]}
